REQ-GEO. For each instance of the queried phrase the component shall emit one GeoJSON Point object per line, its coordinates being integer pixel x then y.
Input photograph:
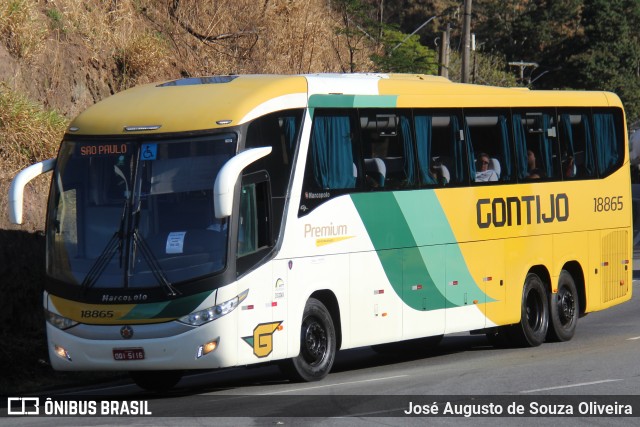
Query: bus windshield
{"type": "Point", "coordinates": [137, 214]}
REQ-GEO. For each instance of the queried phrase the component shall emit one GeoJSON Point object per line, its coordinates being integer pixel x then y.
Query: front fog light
{"type": "Point", "coordinates": [62, 353]}
{"type": "Point", "coordinates": [207, 348]}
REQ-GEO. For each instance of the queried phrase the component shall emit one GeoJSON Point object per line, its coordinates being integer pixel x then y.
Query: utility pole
{"type": "Point", "coordinates": [466, 41]}
{"type": "Point", "coordinates": [444, 53]}
{"type": "Point", "coordinates": [522, 65]}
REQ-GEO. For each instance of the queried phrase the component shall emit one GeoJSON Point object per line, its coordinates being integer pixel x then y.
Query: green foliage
{"type": "Point", "coordinates": [28, 132]}
{"type": "Point", "coordinates": [608, 54]}
{"type": "Point", "coordinates": [405, 54]}
{"type": "Point", "coordinates": [56, 18]}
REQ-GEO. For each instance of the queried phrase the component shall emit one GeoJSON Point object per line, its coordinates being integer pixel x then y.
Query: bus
{"type": "Point", "coordinates": [223, 221]}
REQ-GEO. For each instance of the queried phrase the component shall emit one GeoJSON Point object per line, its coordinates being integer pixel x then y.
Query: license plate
{"type": "Point", "coordinates": [128, 353]}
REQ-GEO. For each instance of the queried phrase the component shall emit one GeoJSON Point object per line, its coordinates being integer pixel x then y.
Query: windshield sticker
{"type": "Point", "coordinates": [149, 152]}
{"type": "Point", "coordinates": [175, 242]}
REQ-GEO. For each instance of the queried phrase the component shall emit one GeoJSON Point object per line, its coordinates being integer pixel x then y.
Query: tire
{"type": "Point", "coordinates": [317, 345]}
{"type": "Point", "coordinates": [564, 309]}
{"type": "Point", "coordinates": [419, 346]}
{"type": "Point", "coordinates": [534, 316]}
{"type": "Point", "coordinates": [156, 380]}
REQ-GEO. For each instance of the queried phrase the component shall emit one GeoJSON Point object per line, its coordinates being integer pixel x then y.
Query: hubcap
{"type": "Point", "coordinates": [314, 338]}
{"type": "Point", "coordinates": [566, 306]}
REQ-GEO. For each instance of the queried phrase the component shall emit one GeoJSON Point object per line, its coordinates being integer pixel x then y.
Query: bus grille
{"type": "Point", "coordinates": [614, 265]}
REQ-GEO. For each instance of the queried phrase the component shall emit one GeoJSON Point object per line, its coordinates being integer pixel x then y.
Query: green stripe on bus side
{"type": "Point", "coordinates": [406, 260]}
{"type": "Point", "coordinates": [169, 309]}
{"type": "Point", "coordinates": [353, 101]}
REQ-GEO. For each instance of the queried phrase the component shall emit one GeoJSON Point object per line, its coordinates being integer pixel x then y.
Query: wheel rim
{"type": "Point", "coordinates": [314, 338]}
{"type": "Point", "coordinates": [566, 306]}
{"type": "Point", "coordinates": [534, 310]}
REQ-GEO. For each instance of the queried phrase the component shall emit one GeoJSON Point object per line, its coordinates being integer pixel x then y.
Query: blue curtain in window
{"type": "Point", "coordinates": [505, 175]}
{"type": "Point", "coordinates": [589, 159]}
{"type": "Point", "coordinates": [289, 127]}
{"type": "Point", "coordinates": [606, 141]}
{"type": "Point", "coordinates": [545, 146]}
{"type": "Point", "coordinates": [409, 155]}
{"type": "Point", "coordinates": [520, 140]}
{"type": "Point", "coordinates": [423, 138]}
{"type": "Point", "coordinates": [332, 155]}
{"type": "Point", "coordinates": [567, 133]}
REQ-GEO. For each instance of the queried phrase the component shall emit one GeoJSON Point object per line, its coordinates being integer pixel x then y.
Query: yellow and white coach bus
{"type": "Point", "coordinates": [224, 221]}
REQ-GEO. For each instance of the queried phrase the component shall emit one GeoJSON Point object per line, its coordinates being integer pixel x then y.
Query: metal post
{"type": "Point", "coordinates": [466, 55]}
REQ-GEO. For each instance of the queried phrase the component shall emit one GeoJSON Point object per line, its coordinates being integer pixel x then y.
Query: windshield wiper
{"type": "Point", "coordinates": [153, 263]}
{"type": "Point", "coordinates": [147, 253]}
{"type": "Point", "coordinates": [115, 243]}
{"type": "Point", "coordinates": [105, 257]}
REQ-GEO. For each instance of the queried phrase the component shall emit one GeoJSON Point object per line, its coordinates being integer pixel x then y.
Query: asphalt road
{"type": "Point", "coordinates": [364, 388]}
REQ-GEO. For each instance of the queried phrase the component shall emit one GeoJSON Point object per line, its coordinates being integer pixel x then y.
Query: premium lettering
{"type": "Point", "coordinates": [512, 211]}
{"type": "Point", "coordinates": [325, 231]}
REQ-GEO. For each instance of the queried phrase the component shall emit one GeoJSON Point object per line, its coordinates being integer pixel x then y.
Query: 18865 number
{"type": "Point", "coordinates": [607, 204]}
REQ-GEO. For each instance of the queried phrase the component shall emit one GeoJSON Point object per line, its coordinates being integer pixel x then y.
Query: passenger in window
{"type": "Point", "coordinates": [533, 171]}
{"type": "Point", "coordinates": [569, 167]}
{"type": "Point", "coordinates": [483, 173]}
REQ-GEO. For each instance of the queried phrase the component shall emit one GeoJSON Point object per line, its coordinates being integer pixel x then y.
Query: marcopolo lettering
{"type": "Point", "coordinates": [510, 211]}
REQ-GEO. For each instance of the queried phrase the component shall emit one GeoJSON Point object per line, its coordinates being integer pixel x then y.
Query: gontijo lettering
{"type": "Point", "coordinates": [509, 211]}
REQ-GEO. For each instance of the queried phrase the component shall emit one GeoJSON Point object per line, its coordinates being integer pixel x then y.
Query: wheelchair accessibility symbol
{"type": "Point", "coordinates": [149, 152]}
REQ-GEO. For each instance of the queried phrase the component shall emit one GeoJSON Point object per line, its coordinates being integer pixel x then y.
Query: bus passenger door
{"type": "Point", "coordinates": [261, 313]}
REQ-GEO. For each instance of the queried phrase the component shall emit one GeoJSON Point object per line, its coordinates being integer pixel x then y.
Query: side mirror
{"type": "Point", "coordinates": [228, 176]}
{"type": "Point", "coordinates": [16, 190]}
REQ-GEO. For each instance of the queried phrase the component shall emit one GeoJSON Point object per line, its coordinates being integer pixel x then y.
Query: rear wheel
{"type": "Point", "coordinates": [563, 309]}
{"type": "Point", "coordinates": [317, 345]}
{"type": "Point", "coordinates": [534, 318]}
{"type": "Point", "coordinates": [156, 380]}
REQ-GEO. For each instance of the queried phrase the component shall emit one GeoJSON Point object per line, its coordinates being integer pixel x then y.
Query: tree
{"type": "Point", "coordinates": [405, 55]}
{"type": "Point", "coordinates": [608, 53]}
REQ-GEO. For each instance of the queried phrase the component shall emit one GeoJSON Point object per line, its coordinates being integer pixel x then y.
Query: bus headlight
{"type": "Point", "coordinates": [212, 313]}
{"type": "Point", "coordinates": [58, 321]}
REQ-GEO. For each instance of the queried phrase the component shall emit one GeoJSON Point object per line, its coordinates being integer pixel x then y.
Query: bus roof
{"type": "Point", "coordinates": [201, 103]}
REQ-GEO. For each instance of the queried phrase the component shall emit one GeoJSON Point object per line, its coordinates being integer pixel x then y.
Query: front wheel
{"type": "Point", "coordinates": [564, 309]}
{"type": "Point", "coordinates": [534, 317]}
{"type": "Point", "coordinates": [317, 345]}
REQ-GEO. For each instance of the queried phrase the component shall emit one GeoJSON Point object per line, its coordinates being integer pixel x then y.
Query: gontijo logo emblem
{"type": "Point", "coordinates": [262, 339]}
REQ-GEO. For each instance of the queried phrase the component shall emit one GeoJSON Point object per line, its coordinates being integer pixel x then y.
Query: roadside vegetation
{"type": "Point", "coordinates": [57, 57]}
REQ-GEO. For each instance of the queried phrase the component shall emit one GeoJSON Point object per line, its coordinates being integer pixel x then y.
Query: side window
{"type": "Point", "coordinates": [278, 130]}
{"type": "Point", "coordinates": [576, 143]}
{"type": "Point", "coordinates": [489, 132]}
{"type": "Point", "coordinates": [388, 150]}
{"type": "Point", "coordinates": [536, 145]}
{"type": "Point", "coordinates": [608, 135]}
{"type": "Point", "coordinates": [443, 145]}
{"type": "Point", "coordinates": [332, 166]}
{"type": "Point", "coordinates": [254, 220]}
